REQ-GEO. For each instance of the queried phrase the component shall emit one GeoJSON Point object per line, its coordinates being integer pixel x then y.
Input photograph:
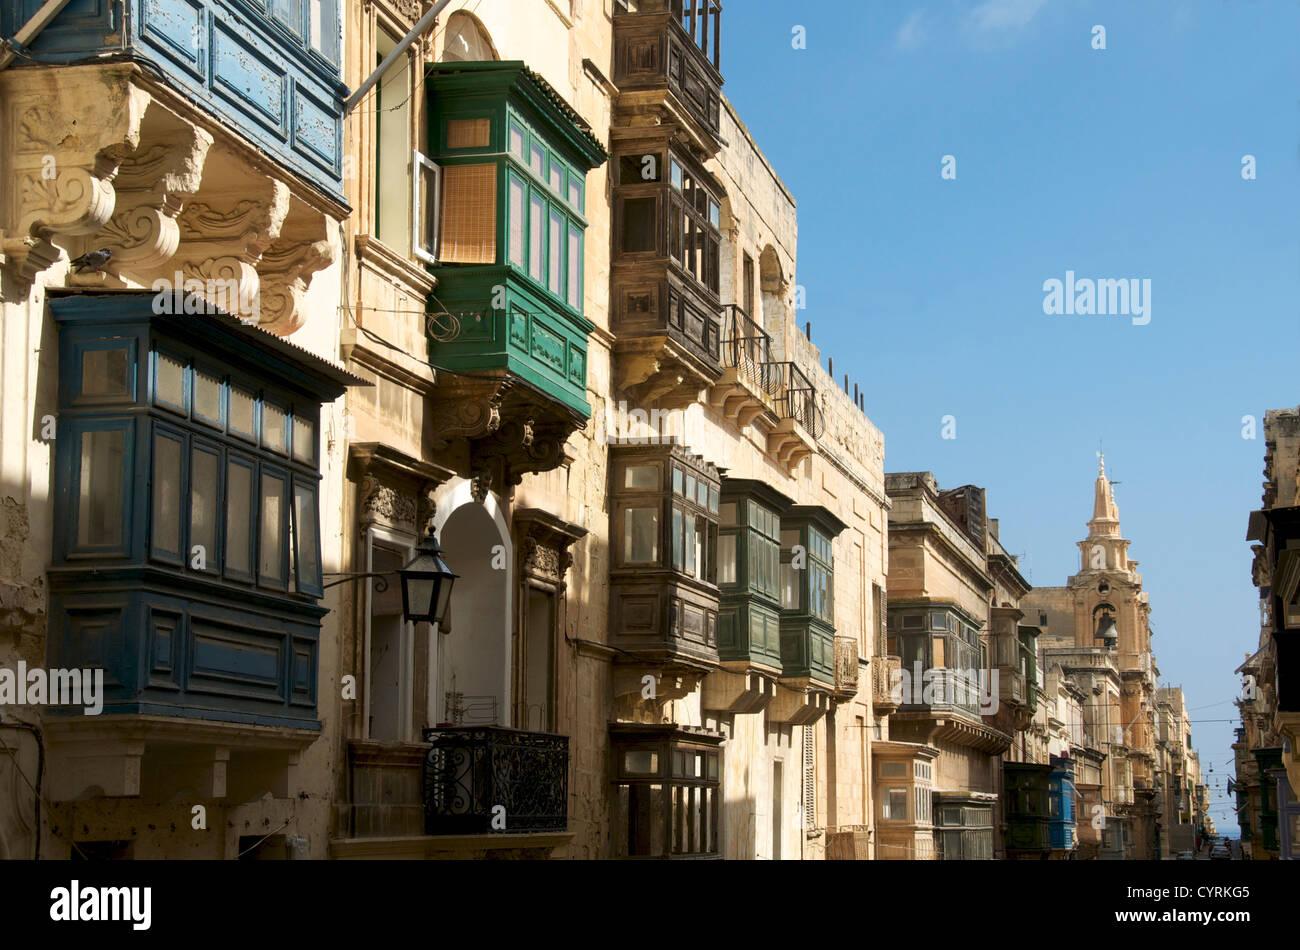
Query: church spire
{"type": "Point", "coordinates": [1105, 515]}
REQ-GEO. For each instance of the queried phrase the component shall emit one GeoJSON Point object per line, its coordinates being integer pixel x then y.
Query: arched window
{"type": "Point", "coordinates": [465, 40]}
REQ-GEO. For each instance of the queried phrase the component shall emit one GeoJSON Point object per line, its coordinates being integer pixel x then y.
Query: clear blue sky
{"type": "Point", "coordinates": [1119, 163]}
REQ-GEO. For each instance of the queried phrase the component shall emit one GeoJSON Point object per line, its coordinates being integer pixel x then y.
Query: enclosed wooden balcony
{"type": "Point", "coordinates": [666, 313]}
{"type": "Point", "coordinates": [667, 56]}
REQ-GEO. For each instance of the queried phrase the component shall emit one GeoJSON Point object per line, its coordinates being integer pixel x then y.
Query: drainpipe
{"type": "Point", "coordinates": [28, 31]}
{"type": "Point", "coordinates": [391, 58]}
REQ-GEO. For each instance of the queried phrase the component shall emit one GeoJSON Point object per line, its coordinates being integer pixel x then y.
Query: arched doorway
{"type": "Point", "coordinates": [472, 670]}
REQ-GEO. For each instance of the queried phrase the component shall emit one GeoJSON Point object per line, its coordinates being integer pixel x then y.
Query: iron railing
{"type": "Point", "coordinates": [490, 780]}
{"type": "Point", "coordinates": [747, 347]}
{"type": "Point", "coordinates": [795, 396]}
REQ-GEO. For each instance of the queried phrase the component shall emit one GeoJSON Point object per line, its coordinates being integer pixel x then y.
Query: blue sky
{"type": "Point", "coordinates": [1116, 163]}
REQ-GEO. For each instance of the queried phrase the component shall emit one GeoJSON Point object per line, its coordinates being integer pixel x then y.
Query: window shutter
{"type": "Point", "coordinates": [809, 779]}
{"type": "Point", "coordinates": [469, 215]}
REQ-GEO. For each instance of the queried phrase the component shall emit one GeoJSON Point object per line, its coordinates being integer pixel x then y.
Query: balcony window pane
{"type": "Point", "coordinates": [427, 204]}
{"type": "Point", "coordinates": [641, 535]}
{"type": "Point", "coordinates": [537, 160]}
{"type": "Point", "coordinates": [469, 133]}
{"type": "Point", "coordinates": [690, 487]}
{"type": "Point", "coordinates": [641, 762]}
{"type": "Point", "coordinates": [516, 141]}
{"type": "Point", "coordinates": [713, 499]}
{"type": "Point", "coordinates": [727, 513]}
{"type": "Point", "coordinates": [575, 263]}
{"type": "Point", "coordinates": [536, 236]}
{"type": "Point", "coordinates": [675, 174]}
{"type": "Point", "coordinates": [239, 500]}
{"type": "Point", "coordinates": [727, 559]}
{"type": "Point", "coordinates": [516, 223]}
{"type": "Point", "coordinates": [791, 595]}
{"type": "Point", "coordinates": [304, 439]}
{"type": "Point", "coordinates": [270, 560]}
{"type": "Point", "coordinates": [207, 398]}
{"type": "Point", "coordinates": [203, 507]}
{"type": "Point", "coordinates": [169, 388]}
{"type": "Point", "coordinates": [99, 510]}
{"type": "Point", "coordinates": [715, 217]}
{"type": "Point", "coordinates": [895, 804]}
{"type": "Point", "coordinates": [692, 546]}
{"type": "Point", "coordinates": [304, 521]}
{"type": "Point", "coordinates": [641, 476]}
{"type": "Point", "coordinates": [241, 413]}
{"type": "Point", "coordinates": [556, 179]}
{"type": "Point", "coordinates": [274, 430]}
{"type": "Point", "coordinates": [555, 243]}
{"type": "Point", "coordinates": [166, 535]}
{"type": "Point", "coordinates": [575, 192]}
{"type": "Point", "coordinates": [677, 538]}
{"type": "Point", "coordinates": [104, 373]}
{"type": "Point", "coordinates": [638, 224]}
{"type": "Point", "coordinates": [677, 481]}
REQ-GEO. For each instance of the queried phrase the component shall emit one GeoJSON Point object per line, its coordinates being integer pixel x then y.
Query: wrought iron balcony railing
{"type": "Point", "coordinates": [747, 347]}
{"type": "Point", "coordinates": [846, 665]}
{"type": "Point", "coordinates": [471, 770]}
{"type": "Point", "coordinates": [795, 396]}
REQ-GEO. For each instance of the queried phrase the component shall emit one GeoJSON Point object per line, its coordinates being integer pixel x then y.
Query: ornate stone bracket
{"type": "Point", "coordinates": [64, 138]}
{"type": "Point", "coordinates": [152, 187]}
{"type": "Point", "coordinates": [543, 543]}
{"type": "Point", "coordinates": [223, 237]}
{"type": "Point", "coordinates": [308, 243]}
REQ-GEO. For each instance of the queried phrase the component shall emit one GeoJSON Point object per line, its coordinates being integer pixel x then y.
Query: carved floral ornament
{"type": "Point", "coordinates": [384, 504]}
{"type": "Point", "coordinates": [97, 161]}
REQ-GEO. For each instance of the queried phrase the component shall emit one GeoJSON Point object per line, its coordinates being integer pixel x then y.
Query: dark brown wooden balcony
{"type": "Point", "coordinates": [667, 55]}
{"type": "Point", "coordinates": [664, 275]}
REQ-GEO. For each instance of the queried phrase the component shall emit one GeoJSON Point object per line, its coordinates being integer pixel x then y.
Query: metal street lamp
{"type": "Point", "coordinates": [427, 583]}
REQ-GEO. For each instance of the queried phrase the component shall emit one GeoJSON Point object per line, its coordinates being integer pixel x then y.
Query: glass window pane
{"type": "Point", "coordinates": [239, 501]}
{"type": "Point", "coordinates": [692, 545]}
{"type": "Point", "coordinates": [556, 243]}
{"type": "Point", "coordinates": [427, 225]}
{"type": "Point", "coordinates": [516, 141]}
{"type": "Point", "coordinates": [676, 175]}
{"type": "Point", "coordinates": [702, 494]}
{"type": "Point", "coordinates": [274, 432]}
{"type": "Point", "coordinates": [166, 535]}
{"type": "Point", "coordinates": [557, 178]}
{"type": "Point", "coordinates": [713, 499]}
{"type": "Point", "coordinates": [690, 487]}
{"type": "Point", "coordinates": [639, 224]}
{"type": "Point", "coordinates": [641, 762]}
{"type": "Point", "coordinates": [270, 558]}
{"type": "Point", "coordinates": [207, 398]}
{"type": "Point", "coordinates": [241, 412]}
{"type": "Point", "coordinates": [727, 559]}
{"type": "Point", "coordinates": [170, 385]}
{"type": "Point", "coordinates": [641, 535]}
{"type": "Point", "coordinates": [537, 159]}
{"type": "Point", "coordinates": [99, 507]}
{"type": "Point", "coordinates": [641, 476]}
{"type": "Point", "coordinates": [203, 507]}
{"type": "Point", "coordinates": [575, 192]}
{"type": "Point", "coordinates": [575, 263]}
{"type": "Point", "coordinates": [536, 236]}
{"type": "Point", "coordinates": [790, 593]}
{"type": "Point", "coordinates": [516, 222]}
{"type": "Point", "coordinates": [305, 514]}
{"type": "Point", "coordinates": [304, 439]}
{"type": "Point", "coordinates": [677, 538]}
{"type": "Point", "coordinates": [727, 513]}
{"type": "Point", "coordinates": [677, 481]}
{"type": "Point", "coordinates": [104, 373]}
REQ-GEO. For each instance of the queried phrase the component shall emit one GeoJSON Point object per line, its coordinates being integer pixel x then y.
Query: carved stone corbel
{"type": "Point", "coordinates": [62, 140]}
{"type": "Point", "coordinates": [308, 243]}
{"type": "Point", "coordinates": [223, 237]}
{"type": "Point", "coordinates": [152, 186]}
